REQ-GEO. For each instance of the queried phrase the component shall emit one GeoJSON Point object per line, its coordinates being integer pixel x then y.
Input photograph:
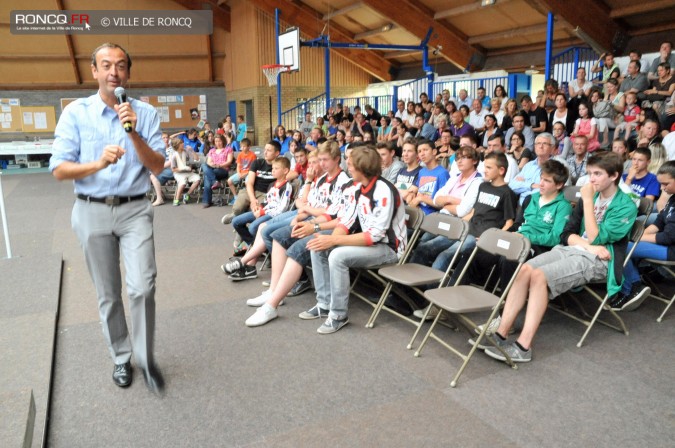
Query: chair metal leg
{"type": "Point", "coordinates": [379, 305]}
{"type": "Point", "coordinates": [669, 302]}
{"type": "Point", "coordinates": [431, 329]}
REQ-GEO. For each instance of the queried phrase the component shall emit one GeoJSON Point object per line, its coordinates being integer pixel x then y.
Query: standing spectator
{"type": "Point", "coordinates": [307, 125]}
{"type": "Point", "coordinates": [216, 168]}
{"type": "Point", "coordinates": [372, 114]}
{"type": "Point", "coordinates": [241, 128]}
{"type": "Point", "coordinates": [501, 95]}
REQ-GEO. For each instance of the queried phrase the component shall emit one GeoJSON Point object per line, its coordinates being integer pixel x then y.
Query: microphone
{"type": "Point", "coordinates": [121, 96]}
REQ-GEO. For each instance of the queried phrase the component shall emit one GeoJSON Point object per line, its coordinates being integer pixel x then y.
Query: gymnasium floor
{"type": "Point", "coordinates": [284, 385]}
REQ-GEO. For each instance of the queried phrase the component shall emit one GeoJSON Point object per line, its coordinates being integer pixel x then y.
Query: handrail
{"type": "Point", "coordinates": [291, 118]}
{"type": "Point", "coordinates": [471, 85]}
{"type": "Point", "coordinates": [567, 62]}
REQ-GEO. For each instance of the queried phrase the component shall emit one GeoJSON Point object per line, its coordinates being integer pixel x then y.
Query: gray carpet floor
{"type": "Point", "coordinates": [285, 385]}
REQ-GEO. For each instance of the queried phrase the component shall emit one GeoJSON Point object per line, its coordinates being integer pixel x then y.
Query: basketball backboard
{"type": "Point", "coordinates": [289, 49]}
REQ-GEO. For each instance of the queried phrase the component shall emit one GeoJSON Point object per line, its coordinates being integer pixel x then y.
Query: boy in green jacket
{"type": "Point", "coordinates": [593, 248]}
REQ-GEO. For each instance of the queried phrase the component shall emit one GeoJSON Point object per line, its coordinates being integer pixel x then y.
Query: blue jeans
{"type": "Point", "coordinates": [210, 177]}
{"type": "Point", "coordinates": [330, 269]}
{"type": "Point", "coordinates": [631, 275]}
{"type": "Point", "coordinates": [443, 259]}
{"type": "Point", "coordinates": [247, 224]}
{"type": "Point", "coordinates": [165, 176]}
{"type": "Point", "coordinates": [276, 223]}
{"type": "Point", "coordinates": [429, 247]}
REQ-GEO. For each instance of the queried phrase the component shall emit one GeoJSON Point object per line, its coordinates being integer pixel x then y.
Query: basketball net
{"type": "Point", "coordinates": [271, 72]}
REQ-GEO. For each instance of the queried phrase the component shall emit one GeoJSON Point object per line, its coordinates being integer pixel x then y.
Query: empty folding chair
{"type": "Point", "coordinates": [415, 275]}
{"type": "Point", "coordinates": [462, 300]}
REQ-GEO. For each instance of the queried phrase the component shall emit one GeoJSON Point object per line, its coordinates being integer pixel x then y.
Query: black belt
{"type": "Point", "coordinates": [111, 200]}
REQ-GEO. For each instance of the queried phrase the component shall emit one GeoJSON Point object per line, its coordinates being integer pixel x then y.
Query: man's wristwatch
{"type": "Point", "coordinates": [317, 228]}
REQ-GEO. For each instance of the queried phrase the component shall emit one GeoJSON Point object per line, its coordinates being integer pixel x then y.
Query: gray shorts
{"type": "Point", "coordinates": [566, 267]}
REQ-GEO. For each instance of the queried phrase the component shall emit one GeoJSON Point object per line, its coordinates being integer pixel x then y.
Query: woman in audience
{"type": "Point", "coordinates": [659, 157]}
{"type": "Point", "coordinates": [614, 97]}
{"type": "Point", "coordinates": [181, 165]}
{"type": "Point", "coordinates": [401, 135]}
{"type": "Point", "coordinates": [410, 121]}
{"type": "Point", "coordinates": [385, 130]}
{"type": "Point", "coordinates": [580, 88]}
{"type": "Point", "coordinates": [464, 109]}
{"type": "Point", "coordinates": [563, 144]}
{"type": "Point", "coordinates": [620, 147]}
{"type": "Point", "coordinates": [209, 142]}
{"type": "Point", "coordinates": [290, 154]}
{"type": "Point", "coordinates": [297, 136]}
{"type": "Point", "coordinates": [280, 136]}
{"type": "Point", "coordinates": [216, 168]}
{"type": "Point", "coordinates": [587, 125]}
{"type": "Point", "coordinates": [550, 91]}
{"type": "Point", "coordinates": [436, 115]}
{"type": "Point", "coordinates": [518, 150]}
{"type": "Point", "coordinates": [450, 108]}
{"type": "Point", "coordinates": [510, 111]}
{"type": "Point", "coordinates": [320, 123]}
{"type": "Point", "coordinates": [561, 114]}
{"type": "Point", "coordinates": [491, 127]}
{"type": "Point", "coordinates": [227, 124]}
{"type": "Point", "coordinates": [497, 109]}
{"type": "Point", "coordinates": [500, 94]}
{"type": "Point", "coordinates": [661, 88]}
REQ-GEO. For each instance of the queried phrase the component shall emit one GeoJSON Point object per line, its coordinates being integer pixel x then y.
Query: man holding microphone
{"type": "Point", "coordinates": [107, 146]}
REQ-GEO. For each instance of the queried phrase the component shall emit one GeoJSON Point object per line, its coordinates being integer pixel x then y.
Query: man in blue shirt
{"type": "Point", "coordinates": [110, 169]}
{"type": "Point", "coordinates": [527, 181]}
{"type": "Point", "coordinates": [190, 139]}
{"type": "Point", "coordinates": [241, 128]}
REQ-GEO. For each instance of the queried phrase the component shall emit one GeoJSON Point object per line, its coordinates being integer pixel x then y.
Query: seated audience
{"type": "Point", "coordinates": [657, 242]}
{"type": "Point", "coordinates": [390, 164]}
{"type": "Point", "coordinates": [245, 159]}
{"type": "Point", "coordinates": [528, 179]}
{"type": "Point", "coordinates": [593, 247]}
{"type": "Point", "coordinates": [182, 162]}
{"type": "Point", "coordinates": [587, 126]}
{"type": "Point", "coordinates": [431, 178]}
{"type": "Point", "coordinates": [519, 125]}
{"type": "Point", "coordinates": [408, 175]}
{"type": "Point", "coordinates": [578, 160]}
{"type": "Point", "coordinates": [166, 174]}
{"type": "Point", "coordinates": [216, 168]}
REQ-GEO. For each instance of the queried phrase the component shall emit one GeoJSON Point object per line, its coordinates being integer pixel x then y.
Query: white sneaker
{"type": "Point", "coordinates": [493, 327]}
{"type": "Point", "coordinates": [432, 315]}
{"type": "Point", "coordinates": [261, 299]}
{"type": "Point", "coordinates": [261, 316]}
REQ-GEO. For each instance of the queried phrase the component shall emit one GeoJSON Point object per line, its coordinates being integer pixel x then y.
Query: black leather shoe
{"type": "Point", "coordinates": [154, 380]}
{"type": "Point", "coordinates": [122, 374]}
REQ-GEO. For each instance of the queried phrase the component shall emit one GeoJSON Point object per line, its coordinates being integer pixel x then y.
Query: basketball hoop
{"type": "Point", "coordinates": [271, 72]}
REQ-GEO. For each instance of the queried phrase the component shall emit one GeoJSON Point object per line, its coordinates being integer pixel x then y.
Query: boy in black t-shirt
{"type": "Point", "coordinates": [495, 207]}
{"type": "Point", "coordinates": [258, 181]}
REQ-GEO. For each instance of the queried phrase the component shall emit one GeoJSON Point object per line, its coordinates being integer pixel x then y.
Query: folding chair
{"type": "Point", "coordinates": [464, 299]}
{"type": "Point", "coordinates": [415, 275]}
{"type": "Point", "coordinates": [635, 235]}
{"type": "Point", "coordinates": [414, 217]}
{"type": "Point", "coordinates": [297, 186]}
{"type": "Point", "coordinates": [669, 266]}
